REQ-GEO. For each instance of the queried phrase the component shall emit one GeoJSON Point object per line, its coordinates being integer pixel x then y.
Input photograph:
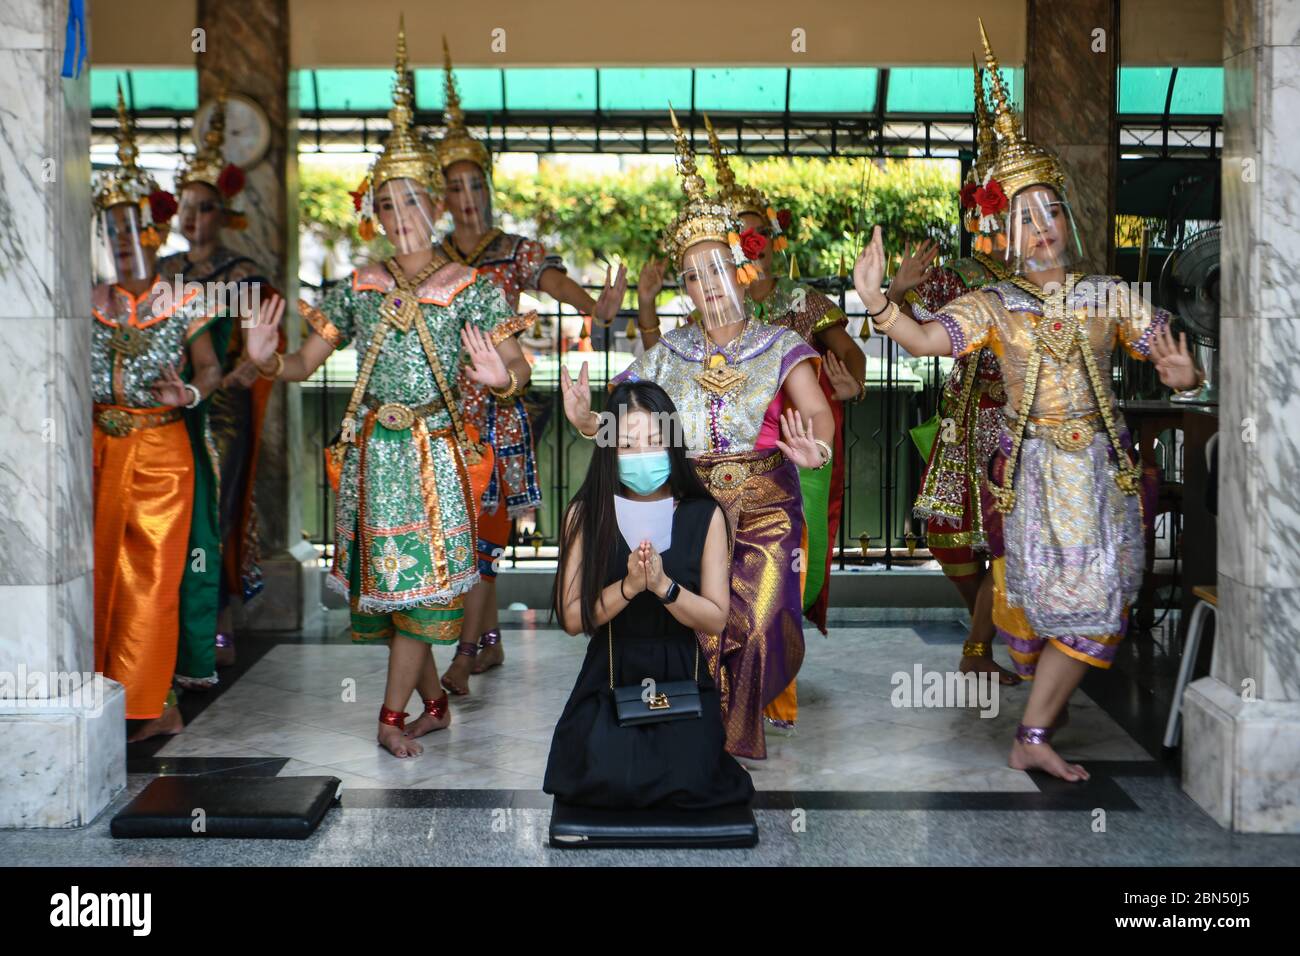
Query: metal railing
{"type": "Point", "coordinates": [882, 467]}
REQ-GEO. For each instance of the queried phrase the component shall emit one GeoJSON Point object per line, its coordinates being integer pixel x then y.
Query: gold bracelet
{"type": "Point", "coordinates": [509, 391]}
{"type": "Point", "coordinates": [830, 453]}
{"type": "Point", "coordinates": [592, 436]}
{"type": "Point", "coordinates": [892, 312]}
{"type": "Point", "coordinates": [279, 367]}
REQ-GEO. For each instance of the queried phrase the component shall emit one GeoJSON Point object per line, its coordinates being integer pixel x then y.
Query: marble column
{"type": "Point", "coordinates": [1071, 56]}
{"type": "Point", "coordinates": [248, 52]}
{"type": "Point", "coordinates": [62, 732]}
{"type": "Point", "coordinates": [1241, 733]}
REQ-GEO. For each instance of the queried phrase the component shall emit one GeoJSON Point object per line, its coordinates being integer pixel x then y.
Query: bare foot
{"type": "Point", "coordinates": [986, 665]}
{"type": "Point", "coordinates": [397, 743]}
{"type": "Point", "coordinates": [425, 724]}
{"type": "Point", "coordinates": [168, 724]}
{"type": "Point", "coordinates": [1043, 757]}
{"type": "Point", "coordinates": [494, 655]}
{"type": "Point", "coordinates": [456, 679]}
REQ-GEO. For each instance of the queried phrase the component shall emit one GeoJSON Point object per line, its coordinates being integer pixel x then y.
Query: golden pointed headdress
{"type": "Point", "coordinates": [208, 164]}
{"type": "Point", "coordinates": [404, 155]}
{"type": "Point", "coordinates": [126, 182]}
{"type": "Point", "coordinates": [701, 219]}
{"type": "Point", "coordinates": [986, 140]}
{"type": "Point", "coordinates": [741, 199]}
{"type": "Point", "coordinates": [457, 144]}
{"type": "Point", "coordinates": [1019, 162]}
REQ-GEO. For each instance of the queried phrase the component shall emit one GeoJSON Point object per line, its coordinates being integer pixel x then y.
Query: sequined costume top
{"type": "Point", "coordinates": [733, 419]}
{"type": "Point", "coordinates": [1005, 318]}
{"type": "Point", "coordinates": [970, 407]}
{"type": "Point", "coordinates": [402, 495]}
{"type": "Point", "coordinates": [134, 337]}
{"type": "Point", "coordinates": [514, 263]}
{"type": "Point", "coordinates": [800, 308]}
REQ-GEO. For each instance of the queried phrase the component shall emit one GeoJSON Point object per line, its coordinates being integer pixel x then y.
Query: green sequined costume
{"type": "Point", "coordinates": [405, 527]}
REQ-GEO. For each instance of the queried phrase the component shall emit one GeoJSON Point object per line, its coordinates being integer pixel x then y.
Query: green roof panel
{"type": "Point", "coordinates": [146, 89]}
{"type": "Point", "coordinates": [648, 90]}
{"type": "Point", "coordinates": [748, 89]}
{"type": "Point", "coordinates": [1198, 89]}
{"type": "Point", "coordinates": [819, 89]}
{"type": "Point", "coordinates": [1143, 89]}
{"type": "Point", "coordinates": [941, 89]}
{"type": "Point", "coordinates": [540, 88]}
{"type": "Point", "coordinates": [479, 89]}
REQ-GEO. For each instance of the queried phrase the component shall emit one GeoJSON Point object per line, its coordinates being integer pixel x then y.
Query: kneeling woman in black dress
{"type": "Point", "coordinates": [678, 764]}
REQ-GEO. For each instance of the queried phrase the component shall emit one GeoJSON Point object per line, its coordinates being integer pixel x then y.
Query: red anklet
{"type": "Point", "coordinates": [437, 709]}
{"type": "Point", "coordinates": [394, 718]}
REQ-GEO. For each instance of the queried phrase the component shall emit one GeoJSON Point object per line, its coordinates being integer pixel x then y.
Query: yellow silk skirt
{"type": "Point", "coordinates": [144, 495]}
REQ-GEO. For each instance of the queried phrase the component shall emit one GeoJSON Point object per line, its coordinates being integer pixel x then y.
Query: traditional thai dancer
{"type": "Point", "coordinates": [411, 467]}
{"type": "Point", "coordinates": [151, 358]}
{"type": "Point", "coordinates": [969, 405]}
{"type": "Point", "coordinates": [752, 414]}
{"type": "Point", "coordinates": [820, 323]}
{"type": "Point", "coordinates": [1066, 526]}
{"type": "Point", "coordinates": [515, 264]}
{"type": "Point", "coordinates": [225, 431]}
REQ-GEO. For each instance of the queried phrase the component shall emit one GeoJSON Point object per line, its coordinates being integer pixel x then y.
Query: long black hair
{"type": "Point", "coordinates": [591, 512]}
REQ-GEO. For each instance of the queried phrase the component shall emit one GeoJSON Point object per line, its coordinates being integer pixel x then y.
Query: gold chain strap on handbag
{"type": "Point", "coordinates": [609, 627]}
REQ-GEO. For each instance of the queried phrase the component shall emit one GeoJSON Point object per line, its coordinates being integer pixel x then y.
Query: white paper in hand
{"type": "Point", "coordinates": [645, 521]}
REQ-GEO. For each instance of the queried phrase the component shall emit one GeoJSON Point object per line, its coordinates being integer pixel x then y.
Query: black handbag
{"type": "Point", "coordinates": [672, 700]}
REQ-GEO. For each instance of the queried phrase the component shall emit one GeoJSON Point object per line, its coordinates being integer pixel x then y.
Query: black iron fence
{"type": "Point", "coordinates": [882, 465]}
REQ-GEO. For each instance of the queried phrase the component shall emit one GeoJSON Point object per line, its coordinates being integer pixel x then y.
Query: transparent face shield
{"type": "Point", "coordinates": [406, 214]}
{"type": "Point", "coordinates": [469, 197]}
{"type": "Point", "coordinates": [1041, 233]}
{"type": "Point", "coordinates": [709, 277]}
{"type": "Point", "coordinates": [123, 255]}
{"type": "Point", "coordinates": [201, 214]}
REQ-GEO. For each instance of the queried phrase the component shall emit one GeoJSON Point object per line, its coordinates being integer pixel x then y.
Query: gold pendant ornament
{"type": "Point", "coordinates": [128, 342]}
{"type": "Point", "coordinates": [395, 417]}
{"type": "Point", "coordinates": [400, 308]}
{"type": "Point", "coordinates": [719, 377]}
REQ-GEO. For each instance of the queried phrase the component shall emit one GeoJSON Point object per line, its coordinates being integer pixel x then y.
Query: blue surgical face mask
{"type": "Point", "coordinates": [644, 472]}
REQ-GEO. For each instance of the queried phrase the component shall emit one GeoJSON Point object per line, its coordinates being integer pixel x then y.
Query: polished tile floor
{"type": "Point", "coordinates": [861, 781]}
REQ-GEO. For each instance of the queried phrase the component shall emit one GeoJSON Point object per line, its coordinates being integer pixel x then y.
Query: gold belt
{"type": "Point", "coordinates": [396, 416]}
{"type": "Point", "coordinates": [120, 422]}
{"type": "Point", "coordinates": [1071, 435]}
{"type": "Point", "coordinates": [725, 475]}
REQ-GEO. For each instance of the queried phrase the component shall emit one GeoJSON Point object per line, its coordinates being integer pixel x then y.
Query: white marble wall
{"type": "Point", "coordinates": [46, 514]}
{"type": "Point", "coordinates": [1242, 739]}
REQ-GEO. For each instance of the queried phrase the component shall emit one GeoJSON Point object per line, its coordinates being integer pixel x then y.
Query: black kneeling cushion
{"type": "Point", "coordinates": [283, 808]}
{"type": "Point", "coordinates": [582, 827]}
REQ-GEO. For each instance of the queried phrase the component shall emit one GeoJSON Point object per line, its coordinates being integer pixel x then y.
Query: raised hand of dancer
{"type": "Point", "coordinates": [486, 367]}
{"type": "Point", "coordinates": [651, 281]}
{"type": "Point", "coordinates": [843, 385]}
{"type": "Point", "coordinates": [263, 337]}
{"type": "Point", "coordinates": [798, 445]}
{"type": "Point", "coordinates": [869, 273]}
{"type": "Point", "coordinates": [169, 388]}
{"type": "Point", "coordinates": [912, 269]}
{"type": "Point", "coordinates": [1173, 362]}
{"type": "Point", "coordinates": [577, 400]}
{"type": "Point", "coordinates": [611, 296]}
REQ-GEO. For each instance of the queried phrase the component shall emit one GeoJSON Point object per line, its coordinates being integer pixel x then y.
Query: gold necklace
{"type": "Point", "coordinates": [449, 247]}
{"type": "Point", "coordinates": [718, 376]}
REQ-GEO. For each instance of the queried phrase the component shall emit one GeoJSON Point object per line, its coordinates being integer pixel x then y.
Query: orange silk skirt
{"type": "Point", "coordinates": [144, 495]}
